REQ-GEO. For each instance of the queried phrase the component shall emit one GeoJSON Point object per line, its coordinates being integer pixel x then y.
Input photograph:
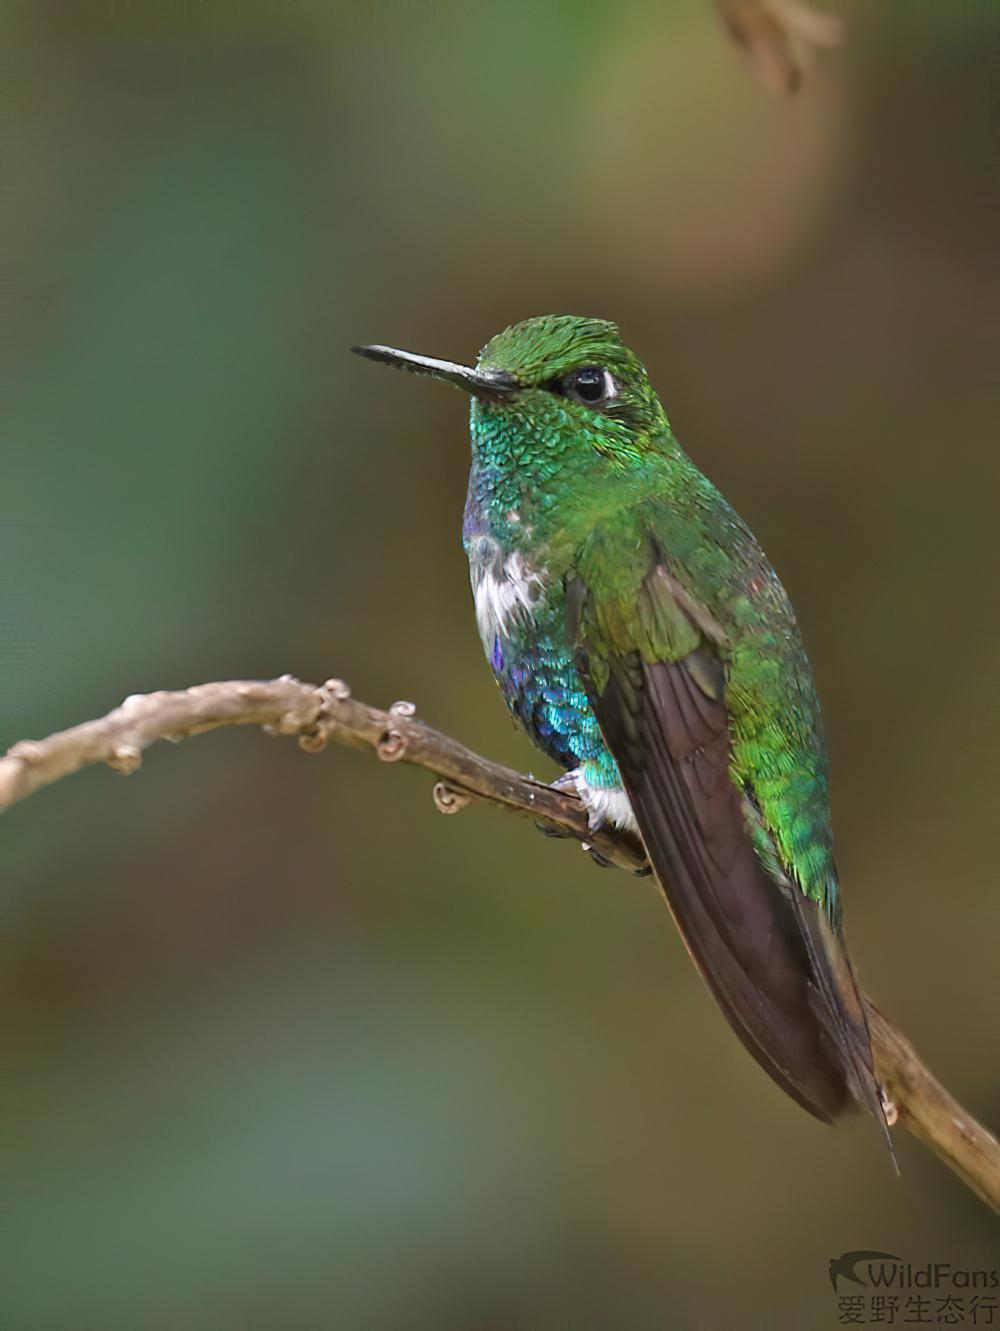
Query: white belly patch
{"type": "Point", "coordinates": [505, 590]}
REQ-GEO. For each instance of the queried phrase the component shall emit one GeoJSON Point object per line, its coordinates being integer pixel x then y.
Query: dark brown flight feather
{"type": "Point", "coordinates": [767, 953]}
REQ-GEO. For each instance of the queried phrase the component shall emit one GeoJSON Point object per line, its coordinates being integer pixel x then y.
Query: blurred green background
{"type": "Point", "coordinates": [286, 1049]}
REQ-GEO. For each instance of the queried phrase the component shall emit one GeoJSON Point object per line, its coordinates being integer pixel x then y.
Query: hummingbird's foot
{"type": "Point", "coordinates": [547, 829]}
{"type": "Point", "coordinates": [600, 860]}
{"type": "Point", "coordinates": [566, 781]}
{"type": "Point", "coordinates": [605, 805]}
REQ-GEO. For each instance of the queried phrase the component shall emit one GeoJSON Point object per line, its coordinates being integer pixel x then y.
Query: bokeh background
{"type": "Point", "coordinates": [284, 1047]}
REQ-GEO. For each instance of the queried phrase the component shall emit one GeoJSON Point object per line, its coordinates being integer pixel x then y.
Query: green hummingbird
{"type": "Point", "coordinates": [639, 634]}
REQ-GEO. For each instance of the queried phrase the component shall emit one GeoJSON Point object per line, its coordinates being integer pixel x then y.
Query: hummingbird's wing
{"type": "Point", "coordinates": [656, 674]}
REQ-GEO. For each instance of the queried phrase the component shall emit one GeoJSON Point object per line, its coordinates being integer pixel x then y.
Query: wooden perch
{"type": "Point", "coordinates": [317, 715]}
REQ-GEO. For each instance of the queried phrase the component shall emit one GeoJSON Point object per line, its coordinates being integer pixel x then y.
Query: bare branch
{"type": "Point", "coordinates": [119, 738]}
{"type": "Point", "coordinates": [926, 1109]}
{"type": "Point", "coordinates": [319, 714]}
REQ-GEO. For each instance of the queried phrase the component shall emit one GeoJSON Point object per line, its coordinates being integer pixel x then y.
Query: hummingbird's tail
{"type": "Point", "coordinates": [841, 1008]}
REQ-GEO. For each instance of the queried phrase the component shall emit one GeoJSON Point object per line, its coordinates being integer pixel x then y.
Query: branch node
{"type": "Point", "coordinates": [288, 724]}
{"type": "Point", "coordinates": [390, 746]}
{"type": "Point", "coordinates": [313, 741]}
{"type": "Point", "coordinates": [448, 799]}
{"type": "Point", "coordinates": [403, 708]}
{"type": "Point", "coordinates": [338, 689]}
{"type": "Point", "coordinates": [889, 1107]}
{"type": "Point", "coordinates": [125, 759]}
{"type": "Point", "coordinates": [27, 751]}
{"type": "Point", "coordinates": [146, 702]}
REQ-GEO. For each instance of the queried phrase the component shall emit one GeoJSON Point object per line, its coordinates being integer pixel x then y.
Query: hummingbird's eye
{"type": "Point", "coordinates": [591, 385]}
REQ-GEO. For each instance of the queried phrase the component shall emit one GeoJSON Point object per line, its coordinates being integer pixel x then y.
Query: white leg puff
{"type": "Point", "coordinates": [604, 804]}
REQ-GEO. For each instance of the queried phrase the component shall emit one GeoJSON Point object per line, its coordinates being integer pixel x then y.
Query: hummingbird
{"type": "Point", "coordinates": [640, 636]}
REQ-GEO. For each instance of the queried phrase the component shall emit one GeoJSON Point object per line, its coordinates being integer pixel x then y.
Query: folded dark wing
{"type": "Point", "coordinates": [766, 951]}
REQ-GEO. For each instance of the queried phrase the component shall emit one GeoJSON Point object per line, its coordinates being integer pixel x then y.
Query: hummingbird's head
{"type": "Point", "coordinates": [562, 380]}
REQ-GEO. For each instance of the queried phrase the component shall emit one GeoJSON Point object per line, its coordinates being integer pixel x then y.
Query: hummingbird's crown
{"type": "Point", "coordinates": [540, 349]}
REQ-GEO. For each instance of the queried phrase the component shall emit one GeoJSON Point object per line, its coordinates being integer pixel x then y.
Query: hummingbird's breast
{"type": "Point", "coordinates": [508, 580]}
{"type": "Point", "coordinates": [520, 604]}
{"type": "Point", "coordinates": [509, 591]}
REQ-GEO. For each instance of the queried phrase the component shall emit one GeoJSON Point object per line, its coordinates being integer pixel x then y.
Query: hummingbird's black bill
{"type": "Point", "coordinates": [491, 385]}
